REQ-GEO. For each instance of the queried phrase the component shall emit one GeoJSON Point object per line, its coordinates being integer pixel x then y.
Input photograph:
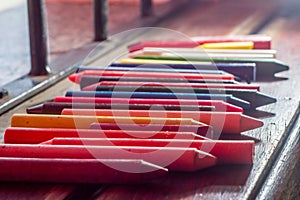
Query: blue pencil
{"type": "Point", "coordinates": [162, 95]}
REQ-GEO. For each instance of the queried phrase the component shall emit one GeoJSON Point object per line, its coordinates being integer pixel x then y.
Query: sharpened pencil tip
{"type": "Point", "coordinates": [281, 65]}
{"type": "Point", "coordinates": [37, 109]}
{"type": "Point", "coordinates": [249, 123]}
{"type": "Point", "coordinates": [204, 160]}
{"type": "Point", "coordinates": [72, 77]}
{"type": "Point", "coordinates": [263, 99]}
{"type": "Point", "coordinates": [90, 87]}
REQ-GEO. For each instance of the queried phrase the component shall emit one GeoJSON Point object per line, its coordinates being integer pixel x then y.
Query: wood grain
{"type": "Point", "coordinates": [221, 182]}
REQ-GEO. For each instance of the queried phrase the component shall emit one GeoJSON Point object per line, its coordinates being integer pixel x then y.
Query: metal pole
{"type": "Point", "coordinates": [146, 8]}
{"type": "Point", "coordinates": [100, 19]}
{"type": "Point", "coordinates": [38, 37]}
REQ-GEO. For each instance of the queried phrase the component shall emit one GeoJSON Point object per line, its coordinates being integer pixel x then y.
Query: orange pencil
{"type": "Point", "coordinates": [84, 122]}
{"type": "Point", "coordinates": [225, 122]}
{"type": "Point", "coordinates": [19, 135]}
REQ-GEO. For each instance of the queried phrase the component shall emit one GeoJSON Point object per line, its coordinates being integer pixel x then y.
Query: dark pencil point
{"type": "Point", "coordinates": [263, 99]}
{"type": "Point", "coordinates": [37, 109]}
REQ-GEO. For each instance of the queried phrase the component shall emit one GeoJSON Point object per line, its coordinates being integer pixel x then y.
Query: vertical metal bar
{"type": "Point", "coordinates": [146, 8]}
{"type": "Point", "coordinates": [100, 19]}
{"type": "Point", "coordinates": [38, 37]}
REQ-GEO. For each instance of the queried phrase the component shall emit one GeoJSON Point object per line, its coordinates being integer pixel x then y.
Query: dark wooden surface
{"type": "Point", "coordinates": [274, 174]}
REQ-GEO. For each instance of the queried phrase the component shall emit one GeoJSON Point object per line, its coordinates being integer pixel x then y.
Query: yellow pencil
{"type": "Point", "coordinates": [63, 121]}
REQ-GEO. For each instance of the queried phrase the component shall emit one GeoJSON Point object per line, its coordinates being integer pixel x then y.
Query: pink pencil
{"type": "Point", "coordinates": [76, 78]}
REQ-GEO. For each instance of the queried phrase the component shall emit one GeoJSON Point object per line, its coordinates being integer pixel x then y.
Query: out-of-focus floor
{"type": "Point", "coordinates": [14, 42]}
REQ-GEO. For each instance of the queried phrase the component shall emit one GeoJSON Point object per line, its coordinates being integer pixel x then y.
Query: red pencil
{"type": "Point", "coordinates": [227, 151]}
{"type": "Point", "coordinates": [259, 41]}
{"type": "Point", "coordinates": [167, 84]}
{"type": "Point", "coordinates": [175, 159]}
{"type": "Point", "coordinates": [219, 105]}
{"type": "Point", "coordinates": [221, 122]}
{"type": "Point", "coordinates": [19, 135]}
{"type": "Point", "coordinates": [77, 170]}
{"type": "Point", "coordinates": [77, 77]}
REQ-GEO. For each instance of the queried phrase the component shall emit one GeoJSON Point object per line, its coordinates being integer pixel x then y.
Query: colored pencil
{"type": "Point", "coordinates": [89, 80]}
{"type": "Point", "coordinates": [20, 135]}
{"type": "Point", "coordinates": [247, 45]}
{"type": "Point", "coordinates": [259, 42]}
{"type": "Point", "coordinates": [213, 52]}
{"type": "Point", "coordinates": [78, 170]}
{"type": "Point", "coordinates": [166, 84]}
{"type": "Point", "coordinates": [77, 76]}
{"type": "Point", "coordinates": [157, 70]}
{"type": "Point", "coordinates": [219, 105]}
{"type": "Point", "coordinates": [57, 107]}
{"type": "Point", "coordinates": [161, 95]}
{"type": "Point", "coordinates": [226, 151]}
{"type": "Point", "coordinates": [168, 70]}
{"type": "Point", "coordinates": [175, 159]}
{"type": "Point", "coordinates": [202, 53]}
{"type": "Point", "coordinates": [221, 122]}
{"type": "Point", "coordinates": [79, 122]}
{"type": "Point", "coordinates": [244, 71]}
{"type": "Point", "coordinates": [203, 129]}
{"type": "Point", "coordinates": [263, 66]}
{"type": "Point", "coordinates": [255, 98]}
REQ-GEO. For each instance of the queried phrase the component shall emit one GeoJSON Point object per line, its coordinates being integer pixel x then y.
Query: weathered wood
{"type": "Point", "coordinates": [222, 182]}
{"type": "Point", "coordinates": [34, 191]}
{"type": "Point", "coordinates": [271, 136]}
{"type": "Point", "coordinates": [283, 182]}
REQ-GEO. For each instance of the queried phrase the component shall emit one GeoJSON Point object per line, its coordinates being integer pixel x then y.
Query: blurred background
{"type": "Point", "coordinates": [70, 25]}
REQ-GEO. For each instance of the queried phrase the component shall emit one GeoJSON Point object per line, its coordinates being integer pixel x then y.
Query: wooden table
{"type": "Point", "coordinates": [274, 174]}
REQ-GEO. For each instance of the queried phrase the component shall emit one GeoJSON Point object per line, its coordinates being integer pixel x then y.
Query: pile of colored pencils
{"type": "Point", "coordinates": [171, 106]}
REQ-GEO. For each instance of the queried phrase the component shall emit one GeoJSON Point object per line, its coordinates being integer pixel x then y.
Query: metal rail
{"type": "Point", "coordinates": [38, 38]}
{"type": "Point", "coordinates": [38, 30]}
{"type": "Point", "coordinates": [100, 19]}
{"type": "Point", "coordinates": [146, 8]}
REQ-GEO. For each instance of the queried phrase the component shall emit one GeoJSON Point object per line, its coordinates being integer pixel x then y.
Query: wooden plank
{"type": "Point", "coordinates": [34, 191]}
{"type": "Point", "coordinates": [219, 182]}
{"type": "Point", "coordinates": [283, 181]}
{"type": "Point", "coordinates": [271, 136]}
